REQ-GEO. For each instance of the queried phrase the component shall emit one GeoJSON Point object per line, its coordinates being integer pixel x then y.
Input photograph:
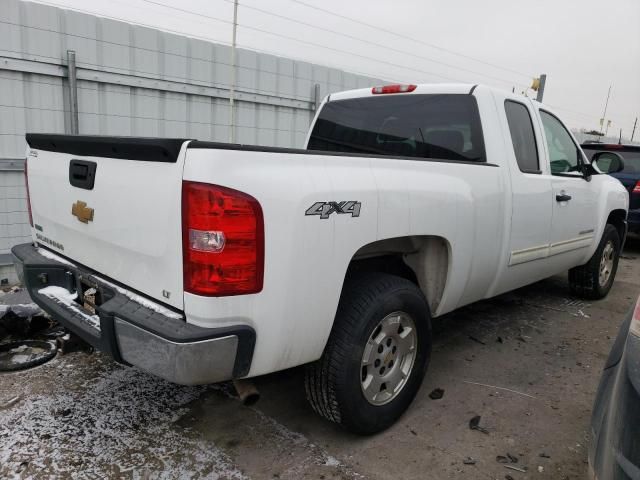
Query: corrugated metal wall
{"type": "Point", "coordinates": [138, 81]}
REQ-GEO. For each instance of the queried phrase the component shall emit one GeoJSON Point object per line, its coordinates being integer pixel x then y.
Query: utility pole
{"type": "Point", "coordinates": [543, 81]}
{"type": "Point", "coordinates": [232, 87]}
{"type": "Point", "coordinates": [634, 130]}
{"type": "Point", "coordinates": [604, 115]}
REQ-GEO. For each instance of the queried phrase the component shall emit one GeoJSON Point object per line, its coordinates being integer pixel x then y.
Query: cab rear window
{"type": "Point", "coordinates": [443, 127]}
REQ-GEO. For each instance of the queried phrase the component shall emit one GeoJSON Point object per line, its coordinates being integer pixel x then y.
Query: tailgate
{"type": "Point", "coordinates": [112, 204]}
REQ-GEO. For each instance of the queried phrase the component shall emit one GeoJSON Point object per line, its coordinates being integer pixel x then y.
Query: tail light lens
{"type": "Point", "coordinates": [26, 184]}
{"type": "Point", "coordinates": [222, 241]}
{"type": "Point", "coordinates": [393, 89]}
{"type": "Point", "coordinates": [636, 189]}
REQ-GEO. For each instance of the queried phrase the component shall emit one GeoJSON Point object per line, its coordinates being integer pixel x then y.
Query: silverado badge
{"type": "Point", "coordinates": [82, 212]}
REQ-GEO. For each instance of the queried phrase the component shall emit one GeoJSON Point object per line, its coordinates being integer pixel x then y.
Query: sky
{"type": "Point", "coordinates": [584, 46]}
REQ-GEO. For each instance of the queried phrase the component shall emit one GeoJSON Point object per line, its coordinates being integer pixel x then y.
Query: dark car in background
{"type": "Point", "coordinates": [614, 453]}
{"type": "Point", "coordinates": [630, 176]}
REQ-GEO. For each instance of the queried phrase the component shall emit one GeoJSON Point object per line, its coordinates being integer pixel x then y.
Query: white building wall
{"type": "Point", "coordinates": [138, 81]}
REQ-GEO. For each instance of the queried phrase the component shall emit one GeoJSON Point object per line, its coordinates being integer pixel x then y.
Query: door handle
{"type": "Point", "coordinates": [563, 197]}
{"type": "Point", "coordinates": [82, 174]}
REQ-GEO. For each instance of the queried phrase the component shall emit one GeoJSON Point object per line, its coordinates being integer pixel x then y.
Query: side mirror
{"type": "Point", "coordinates": [608, 162]}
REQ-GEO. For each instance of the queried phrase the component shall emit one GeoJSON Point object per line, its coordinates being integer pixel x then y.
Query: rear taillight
{"type": "Point", "coordinates": [635, 320]}
{"type": "Point", "coordinates": [636, 189]}
{"type": "Point", "coordinates": [222, 241]}
{"type": "Point", "coordinates": [393, 89]}
{"type": "Point", "coordinates": [26, 185]}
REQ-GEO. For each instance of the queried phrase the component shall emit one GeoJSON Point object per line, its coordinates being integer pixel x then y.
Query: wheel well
{"type": "Point", "coordinates": [617, 219]}
{"type": "Point", "coordinates": [423, 260]}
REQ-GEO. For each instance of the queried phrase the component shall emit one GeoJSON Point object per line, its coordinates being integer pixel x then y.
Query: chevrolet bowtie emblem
{"type": "Point", "coordinates": [82, 212]}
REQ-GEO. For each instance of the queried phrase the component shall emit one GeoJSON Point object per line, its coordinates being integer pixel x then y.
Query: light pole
{"type": "Point", "coordinates": [604, 114]}
{"type": "Point", "coordinates": [232, 87]}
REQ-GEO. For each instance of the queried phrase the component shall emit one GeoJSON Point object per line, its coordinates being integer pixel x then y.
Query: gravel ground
{"type": "Point", "coordinates": [527, 362]}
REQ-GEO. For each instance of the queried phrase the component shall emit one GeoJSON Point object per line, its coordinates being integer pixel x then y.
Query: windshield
{"type": "Point", "coordinates": [424, 126]}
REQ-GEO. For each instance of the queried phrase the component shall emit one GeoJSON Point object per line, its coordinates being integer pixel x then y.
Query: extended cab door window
{"type": "Point", "coordinates": [564, 155]}
{"type": "Point", "coordinates": [531, 210]}
{"type": "Point", "coordinates": [522, 136]}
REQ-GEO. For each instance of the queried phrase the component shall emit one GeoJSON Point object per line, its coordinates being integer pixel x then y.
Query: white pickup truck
{"type": "Point", "coordinates": [202, 262]}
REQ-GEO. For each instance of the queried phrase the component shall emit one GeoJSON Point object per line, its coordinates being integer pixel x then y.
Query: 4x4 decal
{"type": "Point", "coordinates": [324, 209]}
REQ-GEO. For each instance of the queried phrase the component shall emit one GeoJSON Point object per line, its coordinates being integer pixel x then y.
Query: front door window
{"type": "Point", "coordinates": [564, 155]}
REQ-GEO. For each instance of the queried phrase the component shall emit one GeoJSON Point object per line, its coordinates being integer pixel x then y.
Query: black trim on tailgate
{"type": "Point", "coordinates": [125, 148]}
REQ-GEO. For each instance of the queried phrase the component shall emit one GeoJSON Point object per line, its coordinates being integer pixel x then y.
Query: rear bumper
{"type": "Point", "coordinates": [131, 329]}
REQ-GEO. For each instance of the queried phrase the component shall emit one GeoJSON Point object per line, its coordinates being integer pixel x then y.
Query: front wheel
{"type": "Point", "coordinates": [376, 356]}
{"type": "Point", "coordinates": [594, 279]}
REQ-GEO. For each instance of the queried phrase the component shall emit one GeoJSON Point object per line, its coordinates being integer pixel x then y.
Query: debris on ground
{"type": "Point", "coordinates": [11, 402]}
{"type": "Point", "coordinates": [436, 394]}
{"type": "Point", "coordinates": [517, 469]}
{"type": "Point", "coordinates": [471, 337]}
{"type": "Point", "coordinates": [512, 458]}
{"type": "Point", "coordinates": [508, 477]}
{"type": "Point", "coordinates": [499, 339]}
{"type": "Point", "coordinates": [502, 459]}
{"type": "Point", "coordinates": [69, 343]}
{"type": "Point", "coordinates": [499, 388]}
{"type": "Point", "coordinates": [544, 455]}
{"type": "Point", "coordinates": [19, 315]}
{"type": "Point", "coordinates": [474, 424]}
{"type": "Point", "coordinates": [469, 461]}
{"type": "Point", "coordinates": [25, 354]}
{"type": "Point", "coordinates": [540, 469]}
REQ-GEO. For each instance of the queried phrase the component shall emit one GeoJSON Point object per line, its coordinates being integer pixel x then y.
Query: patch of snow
{"type": "Point", "coordinates": [21, 310]}
{"type": "Point", "coordinates": [19, 349]}
{"type": "Point", "coordinates": [16, 359]}
{"type": "Point", "coordinates": [118, 424]}
{"type": "Point", "coordinates": [136, 298]}
{"type": "Point", "coordinates": [142, 300]}
{"type": "Point", "coordinates": [331, 461]}
{"type": "Point", "coordinates": [65, 297]}
{"type": "Point", "coordinates": [54, 257]}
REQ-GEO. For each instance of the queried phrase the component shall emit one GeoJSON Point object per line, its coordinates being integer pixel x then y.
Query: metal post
{"type": "Point", "coordinates": [606, 104]}
{"type": "Point", "coordinates": [73, 91]}
{"type": "Point", "coordinates": [315, 101]}
{"type": "Point", "coordinates": [543, 81]}
{"type": "Point", "coordinates": [633, 132]}
{"type": "Point", "coordinates": [232, 87]}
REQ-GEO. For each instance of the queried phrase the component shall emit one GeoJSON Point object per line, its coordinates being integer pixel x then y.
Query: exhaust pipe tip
{"type": "Point", "coordinates": [246, 391]}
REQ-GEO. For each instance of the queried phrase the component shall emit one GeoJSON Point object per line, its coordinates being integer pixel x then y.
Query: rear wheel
{"type": "Point", "coordinates": [376, 356]}
{"type": "Point", "coordinates": [594, 279]}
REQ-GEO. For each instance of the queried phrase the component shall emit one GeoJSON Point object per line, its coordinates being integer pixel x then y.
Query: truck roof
{"type": "Point", "coordinates": [420, 88]}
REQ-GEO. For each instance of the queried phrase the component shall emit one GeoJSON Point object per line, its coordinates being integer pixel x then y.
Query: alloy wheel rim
{"type": "Point", "coordinates": [606, 264]}
{"type": "Point", "coordinates": [388, 358]}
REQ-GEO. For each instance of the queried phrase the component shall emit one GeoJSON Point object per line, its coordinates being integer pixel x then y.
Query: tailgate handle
{"type": "Point", "coordinates": [82, 174]}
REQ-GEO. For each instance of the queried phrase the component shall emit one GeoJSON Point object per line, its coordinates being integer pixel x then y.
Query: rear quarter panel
{"type": "Point", "coordinates": [306, 257]}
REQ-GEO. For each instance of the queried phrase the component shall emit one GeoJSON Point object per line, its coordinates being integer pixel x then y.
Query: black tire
{"type": "Point", "coordinates": [36, 351]}
{"type": "Point", "coordinates": [584, 281]}
{"type": "Point", "coordinates": [333, 383]}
